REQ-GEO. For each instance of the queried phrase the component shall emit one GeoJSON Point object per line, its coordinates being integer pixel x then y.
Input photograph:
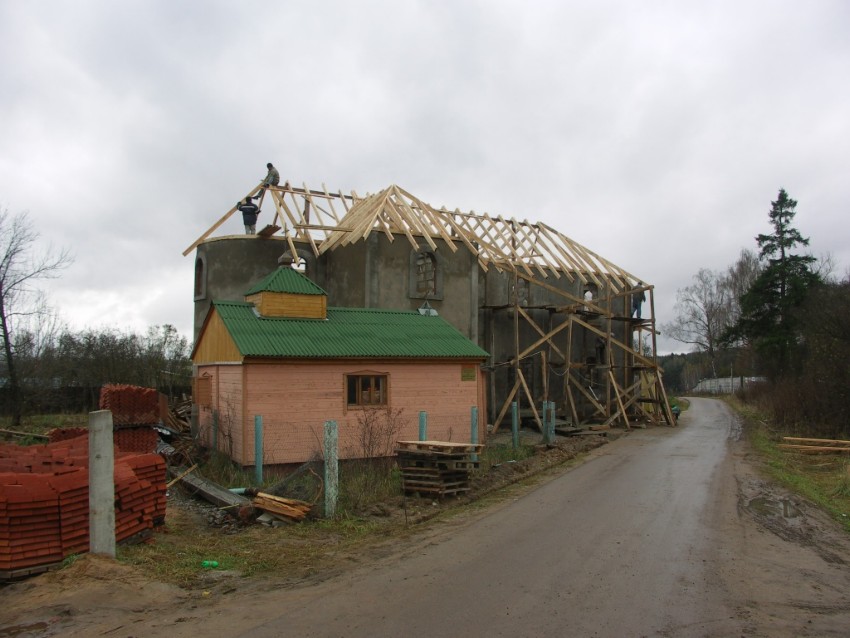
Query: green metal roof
{"type": "Point", "coordinates": [347, 333]}
{"type": "Point", "coordinates": [286, 279]}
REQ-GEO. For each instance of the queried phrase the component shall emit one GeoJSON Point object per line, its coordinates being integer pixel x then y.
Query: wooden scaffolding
{"type": "Point", "coordinates": [620, 383]}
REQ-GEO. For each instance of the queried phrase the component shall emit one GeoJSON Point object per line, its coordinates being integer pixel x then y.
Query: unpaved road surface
{"type": "Point", "coordinates": [664, 532]}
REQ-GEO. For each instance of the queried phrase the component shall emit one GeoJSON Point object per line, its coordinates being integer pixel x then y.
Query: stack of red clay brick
{"type": "Point", "coordinates": [44, 508]}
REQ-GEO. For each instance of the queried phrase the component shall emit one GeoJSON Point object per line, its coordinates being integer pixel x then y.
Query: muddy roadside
{"type": "Point", "coordinates": [94, 592]}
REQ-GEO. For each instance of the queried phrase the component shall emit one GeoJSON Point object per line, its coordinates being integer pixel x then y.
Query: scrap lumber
{"type": "Point", "coordinates": [815, 449]}
{"type": "Point", "coordinates": [815, 441]}
{"type": "Point", "coordinates": [815, 446]}
{"type": "Point", "coordinates": [287, 507]}
{"type": "Point", "coordinates": [212, 492]}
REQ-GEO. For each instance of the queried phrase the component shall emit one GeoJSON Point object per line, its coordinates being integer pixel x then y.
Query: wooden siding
{"type": "Point", "coordinates": [280, 304]}
{"type": "Point", "coordinates": [296, 399]}
{"type": "Point", "coordinates": [216, 345]}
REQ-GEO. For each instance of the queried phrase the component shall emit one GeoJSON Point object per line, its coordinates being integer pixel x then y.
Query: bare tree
{"type": "Point", "coordinates": [21, 304]}
{"type": "Point", "coordinates": [703, 313]}
{"type": "Point", "coordinates": [740, 277]}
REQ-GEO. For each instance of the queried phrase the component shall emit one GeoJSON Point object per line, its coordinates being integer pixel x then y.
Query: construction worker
{"type": "Point", "coordinates": [637, 300]}
{"type": "Point", "coordinates": [249, 212]}
{"type": "Point", "coordinates": [272, 179]}
{"type": "Point", "coordinates": [273, 176]}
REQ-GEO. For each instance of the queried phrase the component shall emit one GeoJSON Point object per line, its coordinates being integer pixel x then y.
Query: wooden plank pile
{"type": "Point", "coordinates": [288, 508]}
{"type": "Point", "coordinates": [436, 468]}
{"type": "Point", "coordinates": [815, 446]}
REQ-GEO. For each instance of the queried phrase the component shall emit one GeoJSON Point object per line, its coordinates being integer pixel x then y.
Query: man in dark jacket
{"type": "Point", "coordinates": [249, 212]}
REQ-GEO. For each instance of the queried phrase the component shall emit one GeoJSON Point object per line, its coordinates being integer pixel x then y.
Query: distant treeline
{"type": "Point", "coordinates": [64, 371]}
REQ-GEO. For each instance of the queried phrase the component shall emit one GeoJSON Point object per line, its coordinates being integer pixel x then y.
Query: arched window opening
{"type": "Point", "coordinates": [200, 278]}
{"type": "Point", "coordinates": [426, 273]}
{"type": "Point", "coordinates": [426, 277]}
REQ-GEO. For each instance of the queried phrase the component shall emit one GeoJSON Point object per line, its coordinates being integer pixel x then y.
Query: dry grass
{"type": "Point", "coordinates": [823, 479]}
{"type": "Point", "coordinates": [290, 553]}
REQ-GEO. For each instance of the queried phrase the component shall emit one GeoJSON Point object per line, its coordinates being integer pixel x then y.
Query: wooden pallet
{"type": "Point", "coordinates": [441, 447]}
{"type": "Point", "coordinates": [453, 462]}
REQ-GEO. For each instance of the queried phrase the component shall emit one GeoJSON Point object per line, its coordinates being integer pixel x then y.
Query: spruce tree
{"type": "Point", "coordinates": [768, 308]}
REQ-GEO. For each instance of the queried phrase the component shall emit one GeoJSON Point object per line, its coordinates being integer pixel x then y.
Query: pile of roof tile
{"type": "Point", "coordinates": [141, 440]}
{"type": "Point", "coordinates": [44, 508]}
{"type": "Point", "coordinates": [130, 404]}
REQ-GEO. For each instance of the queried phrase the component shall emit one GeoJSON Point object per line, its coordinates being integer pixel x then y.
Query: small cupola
{"type": "Point", "coordinates": [287, 293]}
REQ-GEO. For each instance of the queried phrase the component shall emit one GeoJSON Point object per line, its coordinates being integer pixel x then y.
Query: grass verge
{"type": "Point", "coordinates": [822, 479]}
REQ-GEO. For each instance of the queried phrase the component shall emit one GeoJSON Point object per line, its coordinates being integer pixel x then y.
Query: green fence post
{"type": "Point", "coordinates": [474, 430]}
{"type": "Point", "coordinates": [546, 440]}
{"type": "Point", "coordinates": [258, 449]}
{"type": "Point", "coordinates": [423, 426]}
{"type": "Point", "coordinates": [331, 468]}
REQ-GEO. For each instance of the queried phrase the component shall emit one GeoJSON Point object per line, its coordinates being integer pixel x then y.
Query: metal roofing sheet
{"type": "Point", "coordinates": [347, 333]}
{"type": "Point", "coordinates": [285, 279]}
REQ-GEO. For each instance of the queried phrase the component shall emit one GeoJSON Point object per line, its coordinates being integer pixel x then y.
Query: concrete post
{"type": "Point", "coordinates": [101, 484]}
{"type": "Point", "coordinates": [551, 421]}
{"type": "Point", "coordinates": [546, 439]}
{"type": "Point", "coordinates": [215, 430]}
{"type": "Point", "coordinates": [474, 430]}
{"type": "Point", "coordinates": [423, 426]}
{"type": "Point", "coordinates": [331, 468]}
{"type": "Point", "coordinates": [258, 449]}
{"type": "Point", "coordinates": [515, 424]}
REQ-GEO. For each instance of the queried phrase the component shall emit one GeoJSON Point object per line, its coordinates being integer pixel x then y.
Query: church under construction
{"type": "Point", "coordinates": [558, 321]}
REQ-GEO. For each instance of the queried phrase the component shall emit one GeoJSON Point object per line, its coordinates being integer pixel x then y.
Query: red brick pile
{"type": "Point", "coordinates": [130, 404]}
{"type": "Point", "coordinates": [44, 508]}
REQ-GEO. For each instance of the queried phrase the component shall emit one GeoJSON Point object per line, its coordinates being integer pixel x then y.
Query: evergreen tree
{"type": "Point", "coordinates": [767, 309]}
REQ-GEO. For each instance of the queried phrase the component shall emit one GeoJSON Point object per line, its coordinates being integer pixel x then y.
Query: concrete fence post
{"type": "Point", "coordinates": [551, 421]}
{"type": "Point", "coordinates": [546, 439]}
{"type": "Point", "coordinates": [215, 430]}
{"type": "Point", "coordinates": [258, 449]}
{"type": "Point", "coordinates": [101, 484]}
{"type": "Point", "coordinates": [474, 429]}
{"type": "Point", "coordinates": [515, 424]}
{"type": "Point", "coordinates": [331, 468]}
{"type": "Point", "coordinates": [423, 426]}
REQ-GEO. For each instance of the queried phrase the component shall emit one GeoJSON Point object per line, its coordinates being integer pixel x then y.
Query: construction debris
{"type": "Point", "coordinates": [287, 508]}
{"type": "Point", "coordinates": [212, 492]}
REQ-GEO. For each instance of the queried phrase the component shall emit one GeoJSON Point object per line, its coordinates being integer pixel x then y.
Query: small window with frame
{"type": "Point", "coordinates": [366, 390]}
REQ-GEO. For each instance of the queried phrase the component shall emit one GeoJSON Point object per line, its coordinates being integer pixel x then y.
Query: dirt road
{"type": "Point", "coordinates": [665, 532]}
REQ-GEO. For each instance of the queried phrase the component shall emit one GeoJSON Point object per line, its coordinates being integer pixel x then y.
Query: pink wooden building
{"type": "Point", "coordinates": [283, 355]}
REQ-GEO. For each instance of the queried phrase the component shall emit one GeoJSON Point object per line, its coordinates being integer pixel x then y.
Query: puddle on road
{"type": "Point", "coordinates": [773, 507]}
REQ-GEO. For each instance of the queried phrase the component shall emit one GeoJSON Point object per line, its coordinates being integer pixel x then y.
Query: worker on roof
{"type": "Point", "coordinates": [637, 300]}
{"type": "Point", "coordinates": [273, 176]}
{"type": "Point", "coordinates": [272, 179]}
{"type": "Point", "coordinates": [249, 212]}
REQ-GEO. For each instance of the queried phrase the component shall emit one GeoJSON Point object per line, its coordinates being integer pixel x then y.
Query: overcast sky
{"type": "Point", "coordinates": [656, 133]}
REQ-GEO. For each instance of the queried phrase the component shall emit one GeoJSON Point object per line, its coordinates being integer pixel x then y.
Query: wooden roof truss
{"type": "Point", "coordinates": [533, 252]}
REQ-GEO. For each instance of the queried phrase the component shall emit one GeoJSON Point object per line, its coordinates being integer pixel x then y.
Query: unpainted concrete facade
{"type": "Point", "coordinates": [380, 273]}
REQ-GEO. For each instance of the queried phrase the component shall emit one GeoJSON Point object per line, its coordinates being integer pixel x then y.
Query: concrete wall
{"type": "Point", "coordinates": [226, 267]}
{"type": "Point", "coordinates": [376, 273]}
